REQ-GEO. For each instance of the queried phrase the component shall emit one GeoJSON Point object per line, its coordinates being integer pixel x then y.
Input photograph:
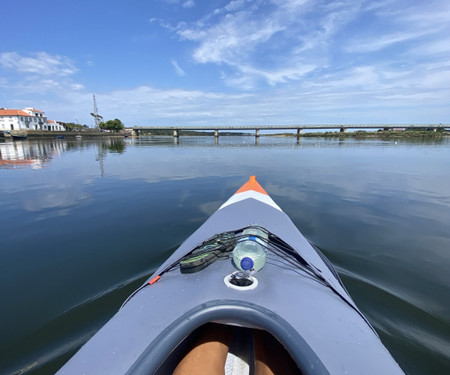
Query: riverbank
{"type": "Point", "coordinates": [36, 134]}
{"type": "Point", "coordinates": [361, 134]}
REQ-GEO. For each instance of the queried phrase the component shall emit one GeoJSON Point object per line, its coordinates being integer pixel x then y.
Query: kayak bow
{"type": "Point", "coordinates": [297, 297]}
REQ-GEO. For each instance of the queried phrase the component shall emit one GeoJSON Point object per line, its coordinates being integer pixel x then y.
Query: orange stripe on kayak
{"type": "Point", "coordinates": [252, 184]}
{"type": "Point", "coordinates": [154, 280]}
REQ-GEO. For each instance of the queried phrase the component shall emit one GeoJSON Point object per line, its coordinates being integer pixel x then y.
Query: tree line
{"type": "Point", "coordinates": [112, 125]}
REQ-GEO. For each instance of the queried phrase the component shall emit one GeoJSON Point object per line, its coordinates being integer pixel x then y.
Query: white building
{"type": "Point", "coordinates": [27, 119]}
{"type": "Point", "coordinates": [53, 126]}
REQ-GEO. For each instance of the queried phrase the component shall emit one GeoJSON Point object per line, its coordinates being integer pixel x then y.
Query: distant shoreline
{"type": "Point", "coordinates": [388, 134]}
{"type": "Point", "coordinates": [361, 134]}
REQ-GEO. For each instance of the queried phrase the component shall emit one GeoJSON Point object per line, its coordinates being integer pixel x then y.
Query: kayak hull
{"type": "Point", "coordinates": [319, 325]}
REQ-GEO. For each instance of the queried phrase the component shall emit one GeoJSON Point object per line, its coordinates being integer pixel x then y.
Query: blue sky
{"type": "Point", "coordinates": [168, 62]}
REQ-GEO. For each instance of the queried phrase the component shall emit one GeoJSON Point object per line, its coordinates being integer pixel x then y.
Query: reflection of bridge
{"type": "Point", "coordinates": [298, 128]}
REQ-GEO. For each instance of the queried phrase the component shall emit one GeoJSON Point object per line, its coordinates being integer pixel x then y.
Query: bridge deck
{"type": "Point", "coordinates": [290, 127]}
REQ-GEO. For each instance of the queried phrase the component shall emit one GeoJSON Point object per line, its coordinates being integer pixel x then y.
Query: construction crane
{"type": "Point", "coordinates": [95, 114]}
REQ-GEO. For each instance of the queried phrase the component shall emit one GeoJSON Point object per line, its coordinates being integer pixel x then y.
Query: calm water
{"type": "Point", "coordinates": [84, 222]}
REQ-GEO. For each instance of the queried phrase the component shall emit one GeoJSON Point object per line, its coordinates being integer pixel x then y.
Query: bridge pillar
{"type": "Point", "coordinates": [342, 130]}
{"type": "Point", "coordinates": [176, 133]}
{"type": "Point", "coordinates": [216, 133]}
{"type": "Point", "coordinates": [299, 133]}
{"type": "Point", "coordinates": [257, 133]}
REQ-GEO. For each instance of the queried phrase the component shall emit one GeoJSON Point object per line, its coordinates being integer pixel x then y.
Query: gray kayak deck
{"type": "Point", "coordinates": [322, 329]}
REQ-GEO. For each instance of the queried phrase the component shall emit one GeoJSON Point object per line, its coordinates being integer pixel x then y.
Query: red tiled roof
{"type": "Point", "coordinates": [13, 112]}
{"type": "Point", "coordinates": [51, 121]}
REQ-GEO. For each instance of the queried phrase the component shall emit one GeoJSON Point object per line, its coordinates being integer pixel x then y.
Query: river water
{"type": "Point", "coordinates": [84, 222]}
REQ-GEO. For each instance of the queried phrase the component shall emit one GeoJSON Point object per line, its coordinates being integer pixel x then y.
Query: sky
{"type": "Point", "coordinates": [239, 62]}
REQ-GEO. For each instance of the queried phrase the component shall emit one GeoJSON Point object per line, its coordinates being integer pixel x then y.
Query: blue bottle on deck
{"type": "Point", "coordinates": [249, 254]}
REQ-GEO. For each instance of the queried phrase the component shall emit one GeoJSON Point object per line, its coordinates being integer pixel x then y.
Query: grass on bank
{"type": "Point", "coordinates": [406, 133]}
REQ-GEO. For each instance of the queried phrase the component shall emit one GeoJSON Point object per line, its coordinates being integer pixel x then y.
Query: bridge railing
{"type": "Point", "coordinates": [177, 129]}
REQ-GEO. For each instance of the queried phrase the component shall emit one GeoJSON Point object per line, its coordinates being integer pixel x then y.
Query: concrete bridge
{"type": "Point", "coordinates": [298, 128]}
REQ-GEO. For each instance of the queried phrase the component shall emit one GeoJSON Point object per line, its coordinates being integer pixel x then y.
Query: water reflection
{"type": "Point", "coordinates": [36, 154]}
{"type": "Point", "coordinates": [279, 141]}
{"type": "Point", "coordinates": [113, 145]}
{"type": "Point", "coordinates": [24, 154]}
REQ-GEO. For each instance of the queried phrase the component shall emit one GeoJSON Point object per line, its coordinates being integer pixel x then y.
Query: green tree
{"type": "Point", "coordinates": [71, 126]}
{"type": "Point", "coordinates": [113, 125]}
{"type": "Point", "coordinates": [96, 117]}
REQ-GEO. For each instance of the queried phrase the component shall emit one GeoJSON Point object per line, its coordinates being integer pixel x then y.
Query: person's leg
{"type": "Point", "coordinates": [271, 358]}
{"type": "Point", "coordinates": [209, 353]}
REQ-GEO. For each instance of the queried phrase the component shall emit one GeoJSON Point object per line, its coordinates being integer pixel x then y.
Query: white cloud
{"type": "Point", "coordinates": [77, 86]}
{"type": "Point", "coordinates": [432, 48]}
{"type": "Point", "coordinates": [234, 5]}
{"type": "Point", "coordinates": [231, 40]}
{"type": "Point", "coordinates": [39, 74]}
{"type": "Point", "coordinates": [376, 43]}
{"type": "Point", "coordinates": [189, 4]}
{"type": "Point", "coordinates": [236, 39]}
{"type": "Point", "coordinates": [410, 23]}
{"type": "Point", "coordinates": [180, 72]}
{"type": "Point", "coordinates": [295, 34]}
{"type": "Point", "coordinates": [250, 75]}
{"type": "Point", "coordinates": [354, 96]}
{"type": "Point", "coordinates": [436, 79]}
{"type": "Point", "coordinates": [433, 14]}
{"type": "Point", "coordinates": [299, 40]}
{"type": "Point", "coordinates": [184, 3]}
{"type": "Point", "coordinates": [40, 63]}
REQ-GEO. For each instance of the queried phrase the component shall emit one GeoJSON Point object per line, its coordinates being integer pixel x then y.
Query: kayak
{"type": "Point", "coordinates": [296, 297]}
